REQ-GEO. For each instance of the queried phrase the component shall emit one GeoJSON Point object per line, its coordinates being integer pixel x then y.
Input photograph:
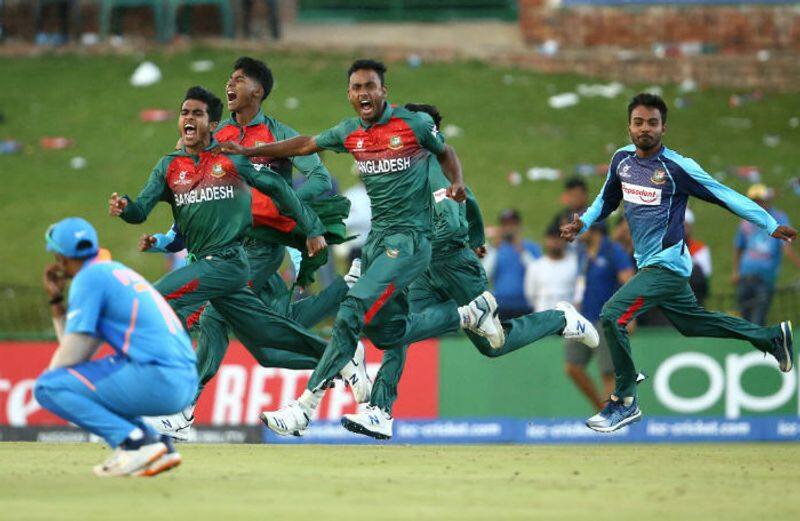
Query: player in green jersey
{"type": "Point", "coordinates": [210, 198]}
{"type": "Point", "coordinates": [394, 149]}
{"type": "Point", "coordinates": [247, 88]}
{"type": "Point", "coordinates": [454, 278]}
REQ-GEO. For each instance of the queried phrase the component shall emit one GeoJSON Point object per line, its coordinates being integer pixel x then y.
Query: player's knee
{"type": "Point", "coordinates": [608, 317]}
{"type": "Point", "coordinates": [43, 389]}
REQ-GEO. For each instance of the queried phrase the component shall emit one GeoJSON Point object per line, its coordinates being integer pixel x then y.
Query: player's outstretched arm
{"type": "Point", "coordinates": [318, 179]}
{"type": "Point", "coordinates": [572, 229]}
{"type": "Point", "coordinates": [451, 166]}
{"type": "Point", "coordinates": [296, 146]}
{"type": "Point", "coordinates": [137, 211]}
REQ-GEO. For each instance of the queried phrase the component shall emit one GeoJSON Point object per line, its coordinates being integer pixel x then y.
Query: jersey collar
{"type": "Point", "coordinates": [259, 119]}
{"type": "Point", "coordinates": [385, 117]}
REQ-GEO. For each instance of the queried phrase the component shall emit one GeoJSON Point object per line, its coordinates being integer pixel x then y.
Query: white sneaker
{"type": "Point", "coordinates": [127, 462]}
{"type": "Point", "coordinates": [176, 426]}
{"type": "Point", "coordinates": [352, 276]}
{"type": "Point", "coordinates": [578, 327]}
{"type": "Point", "coordinates": [373, 421]}
{"type": "Point", "coordinates": [290, 420]}
{"type": "Point", "coordinates": [480, 317]}
{"type": "Point", "coordinates": [355, 374]}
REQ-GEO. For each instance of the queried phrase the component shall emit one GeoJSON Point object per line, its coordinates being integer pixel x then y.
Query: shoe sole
{"type": "Point", "coordinates": [788, 343]}
{"type": "Point", "coordinates": [134, 472]}
{"type": "Point", "coordinates": [166, 462]}
{"type": "Point", "coordinates": [357, 428]}
{"type": "Point", "coordinates": [627, 421]}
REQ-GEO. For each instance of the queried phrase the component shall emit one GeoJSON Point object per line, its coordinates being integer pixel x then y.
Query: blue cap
{"type": "Point", "coordinates": [72, 237]}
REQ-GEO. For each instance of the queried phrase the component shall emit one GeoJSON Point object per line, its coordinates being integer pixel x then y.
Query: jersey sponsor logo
{"type": "Point", "coordinates": [392, 253]}
{"type": "Point", "coordinates": [217, 170]}
{"type": "Point", "coordinates": [182, 178]}
{"type": "Point", "coordinates": [641, 194]}
{"type": "Point", "coordinates": [440, 195]}
{"type": "Point", "coordinates": [202, 195]}
{"type": "Point", "coordinates": [384, 166]}
{"type": "Point", "coordinates": [395, 142]}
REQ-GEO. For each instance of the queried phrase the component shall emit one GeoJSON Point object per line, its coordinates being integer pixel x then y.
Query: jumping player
{"type": "Point", "coordinates": [655, 183]}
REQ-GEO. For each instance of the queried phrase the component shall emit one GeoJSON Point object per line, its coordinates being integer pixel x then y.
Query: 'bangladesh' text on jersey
{"type": "Point", "coordinates": [655, 191]}
{"type": "Point", "coordinates": [394, 157]}
{"type": "Point", "coordinates": [210, 198]}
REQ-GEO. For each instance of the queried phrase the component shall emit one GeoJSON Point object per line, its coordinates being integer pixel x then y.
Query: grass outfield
{"type": "Point", "coordinates": [507, 125]}
{"type": "Point", "coordinates": [45, 481]}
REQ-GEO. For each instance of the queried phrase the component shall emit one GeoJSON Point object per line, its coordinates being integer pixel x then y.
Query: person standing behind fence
{"type": "Point", "coordinates": [551, 278]}
{"type": "Point", "coordinates": [757, 260]}
{"type": "Point", "coordinates": [505, 267]}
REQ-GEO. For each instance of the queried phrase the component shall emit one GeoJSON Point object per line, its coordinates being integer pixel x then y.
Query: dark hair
{"type": "Point", "coordinates": [213, 103]}
{"type": "Point", "coordinates": [648, 100]}
{"type": "Point", "coordinates": [552, 230]}
{"type": "Point", "coordinates": [430, 110]}
{"type": "Point", "coordinates": [370, 65]}
{"type": "Point", "coordinates": [256, 70]}
{"type": "Point", "coordinates": [575, 182]}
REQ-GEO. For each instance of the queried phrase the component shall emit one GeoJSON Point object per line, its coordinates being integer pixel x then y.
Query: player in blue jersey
{"type": "Point", "coordinates": [153, 368]}
{"type": "Point", "coordinates": [654, 184]}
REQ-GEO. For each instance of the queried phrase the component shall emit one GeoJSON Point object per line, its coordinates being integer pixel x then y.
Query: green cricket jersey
{"type": "Point", "coordinates": [394, 158]}
{"type": "Point", "coordinates": [455, 225]}
{"type": "Point", "coordinates": [210, 198]}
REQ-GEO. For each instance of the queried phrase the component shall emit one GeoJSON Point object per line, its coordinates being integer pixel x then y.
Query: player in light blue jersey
{"type": "Point", "coordinates": [654, 184]}
{"type": "Point", "coordinates": [152, 370]}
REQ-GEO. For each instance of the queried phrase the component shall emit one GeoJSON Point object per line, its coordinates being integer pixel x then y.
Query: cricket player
{"type": "Point", "coordinates": [654, 183]}
{"type": "Point", "coordinates": [210, 198]}
{"type": "Point", "coordinates": [394, 150]}
{"type": "Point", "coordinates": [454, 278]}
{"type": "Point", "coordinates": [152, 370]}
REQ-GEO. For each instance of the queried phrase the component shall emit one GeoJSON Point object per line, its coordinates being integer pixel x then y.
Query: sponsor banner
{"type": "Point", "coordinates": [70, 434]}
{"type": "Point", "coordinates": [668, 429]}
{"type": "Point", "coordinates": [239, 392]}
{"type": "Point", "coordinates": [687, 377]}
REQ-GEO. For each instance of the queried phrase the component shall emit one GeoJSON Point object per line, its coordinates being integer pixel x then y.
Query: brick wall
{"type": "Point", "coordinates": [741, 47]}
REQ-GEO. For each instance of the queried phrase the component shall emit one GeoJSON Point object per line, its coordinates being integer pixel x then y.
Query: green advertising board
{"type": "Point", "coordinates": [688, 376]}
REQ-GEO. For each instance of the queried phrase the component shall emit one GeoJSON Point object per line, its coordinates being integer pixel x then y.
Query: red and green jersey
{"type": "Point", "coordinates": [262, 130]}
{"type": "Point", "coordinates": [394, 158]}
{"type": "Point", "coordinates": [210, 198]}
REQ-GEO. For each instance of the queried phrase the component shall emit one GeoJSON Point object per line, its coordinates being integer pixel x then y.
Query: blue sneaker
{"type": "Point", "coordinates": [783, 347]}
{"type": "Point", "coordinates": [615, 415]}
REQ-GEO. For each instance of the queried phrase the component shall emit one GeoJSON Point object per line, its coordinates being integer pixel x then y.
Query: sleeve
{"type": "Point", "coordinates": [333, 138]}
{"type": "Point", "coordinates": [426, 132]}
{"type": "Point", "coordinates": [153, 192]}
{"type": "Point", "coordinates": [318, 179]}
{"type": "Point", "coordinates": [622, 260]}
{"type": "Point", "coordinates": [607, 200]}
{"type": "Point", "coordinates": [170, 242]}
{"type": "Point", "coordinates": [696, 182]}
{"type": "Point", "coordinates": [85, 304]}
{"type": "Point", "coordinates": [477, 236]}
{"type": "Point", "coordinates": [534, 249]}
{"type": "Point", "coordinates": [270, 183]}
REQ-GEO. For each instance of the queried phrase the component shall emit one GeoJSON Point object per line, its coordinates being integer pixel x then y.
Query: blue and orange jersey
{"type": "Point", "coordinates": [262, 130]}
{"type": "Point", "coordinates": [109, 301]}
{"type": "Point", "coordinates": [654, 191]}
{"type": "Point", "coordinates": [394, 158]}
{"type": "Point", "coordinates": [210, 198]}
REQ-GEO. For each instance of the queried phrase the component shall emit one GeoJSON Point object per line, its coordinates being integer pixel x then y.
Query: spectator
{"type": "Point", "coordinates": [551, 278]}
{"type": "Point", "coordinates": [505, 268]}
{"type": "Point", "coordinates": [575, 199]}
{"type": "Point", "coordinates": [701, 260]}
{"type": "Point", "coordinates": [757, 260]}
{"type": "Point", "coordinates": [604, 267]}
{"type": "Point", "coordinates": [64, 9]}
{"type": "Point", "coordinates": [273, 17]}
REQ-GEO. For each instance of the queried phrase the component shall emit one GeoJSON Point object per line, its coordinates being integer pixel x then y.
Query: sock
{"type": "Point", "coordinates": [465, 316]}
{"type": "Point", "coordinates": [309, 401]}
{"type": "Point", "coordinates": [135, 439]}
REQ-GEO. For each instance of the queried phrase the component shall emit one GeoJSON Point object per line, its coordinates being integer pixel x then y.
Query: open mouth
{"type": "Point", "coordinates": [189, 130]}
{"type": "Point", "coordinates": [365, 105]}
{"type": "Point", "coordinates": [231, 96]}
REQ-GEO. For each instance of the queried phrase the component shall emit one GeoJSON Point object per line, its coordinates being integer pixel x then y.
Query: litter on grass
{"type": "Point", "coordinates": [146, 74]}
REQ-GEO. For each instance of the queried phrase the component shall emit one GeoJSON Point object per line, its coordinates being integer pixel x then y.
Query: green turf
{"type": "Point", "coordinates": [45, 481]}
{"type": "Point", "coordinates": [504, 114]}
